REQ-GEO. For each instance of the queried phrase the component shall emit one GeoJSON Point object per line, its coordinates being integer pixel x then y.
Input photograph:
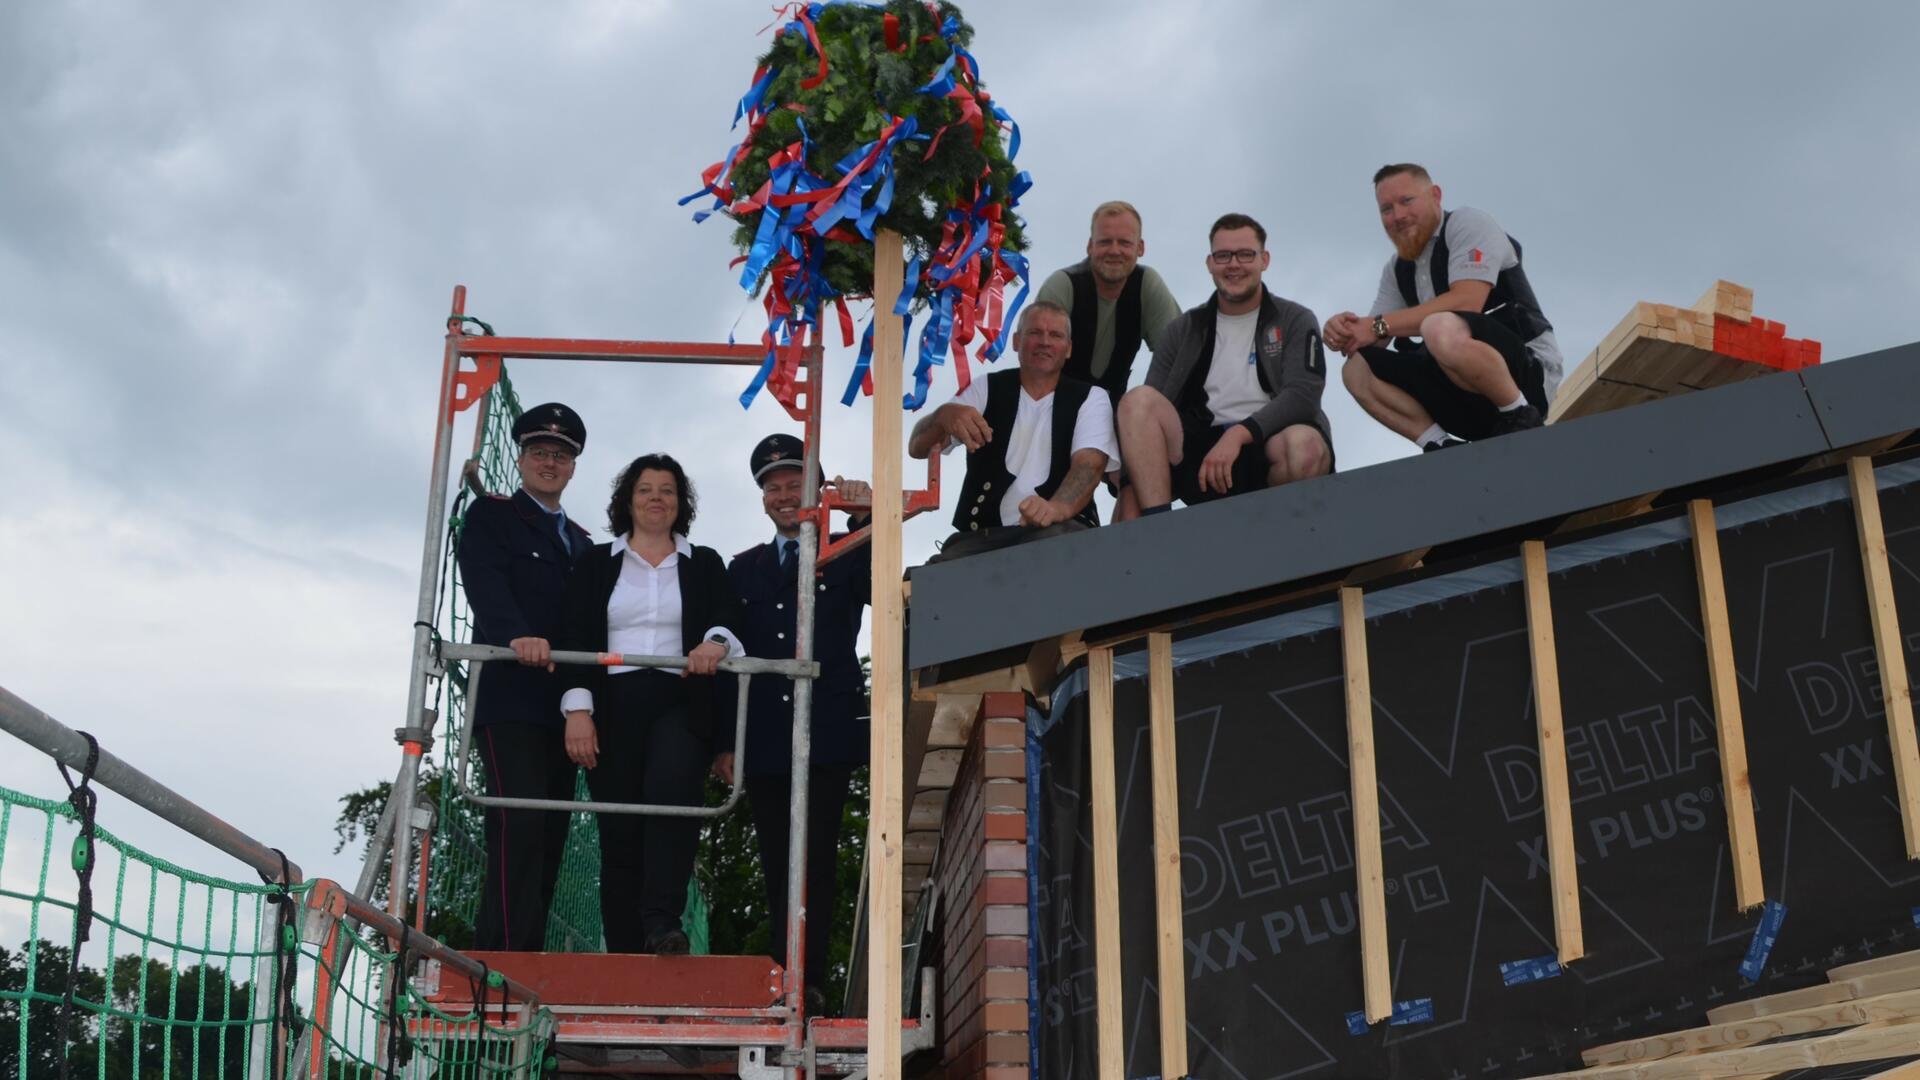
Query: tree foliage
{"type": "Point", "coordinates": [152, 1022]}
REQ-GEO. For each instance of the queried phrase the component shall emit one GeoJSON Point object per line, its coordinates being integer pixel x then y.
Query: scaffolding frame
{"type": "Point", "coordinates": [471, 365]}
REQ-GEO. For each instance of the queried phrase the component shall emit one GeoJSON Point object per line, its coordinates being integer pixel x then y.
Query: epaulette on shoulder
{"type": "Point", "coordinates": [497, 497]}
{"type": "Point", "coordinates": [744, 553]}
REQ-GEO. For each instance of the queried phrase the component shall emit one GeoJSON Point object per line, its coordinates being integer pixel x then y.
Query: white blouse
{"type": "Point", "coordinates": [643, 614]}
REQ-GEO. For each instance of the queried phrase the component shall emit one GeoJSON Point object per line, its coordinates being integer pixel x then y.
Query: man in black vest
{"type": "Point", "coordinates": [767, 578]}
{"type": "Point", "coordinates": [515, 556]}
{"type": "Point", "coordinates": [1232, 399]}
{"type": "Point", "coordinates": [1116, 303]}
{"type": "Point", "coordinates": [1037, 443]}
{"type": "Point", "coordinates": [1486, 364]}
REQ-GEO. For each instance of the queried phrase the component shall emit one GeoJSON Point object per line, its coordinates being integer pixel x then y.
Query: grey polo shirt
{"type": "Point", "coordinates": [1477, 250]}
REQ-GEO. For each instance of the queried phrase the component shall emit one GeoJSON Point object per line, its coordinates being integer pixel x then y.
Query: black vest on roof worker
{"type": "Point", "coordinates": [987, 476]}
{"type": "Point", "coordinates": [1511, 303]}
{"type": "Point", "coordinates": [1086, 317]}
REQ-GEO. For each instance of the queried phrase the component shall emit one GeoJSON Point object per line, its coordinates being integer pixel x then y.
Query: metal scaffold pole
{"type": "Point", "coordinates": [416, 734]}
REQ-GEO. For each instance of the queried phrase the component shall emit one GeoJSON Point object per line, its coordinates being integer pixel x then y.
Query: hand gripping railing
{"type": "Point", "coordinates": [745, 667]}
{"type": "Point", "coordinates": [65, 745]}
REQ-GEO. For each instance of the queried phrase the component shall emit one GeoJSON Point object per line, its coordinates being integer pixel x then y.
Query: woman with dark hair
{"type": "Point", "coordinates": [645, 735]}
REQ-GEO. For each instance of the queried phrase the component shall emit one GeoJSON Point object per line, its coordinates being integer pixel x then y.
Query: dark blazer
{"type": "Point", "coordinates": [707, 600]}
{"type": "Point", "coordinates": [514, 568]}
{"type": "Point", "coordinates": [842, 588]}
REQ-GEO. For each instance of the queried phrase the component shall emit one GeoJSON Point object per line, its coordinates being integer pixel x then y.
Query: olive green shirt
{"type": "Point", "coordinates": [1157, 309]}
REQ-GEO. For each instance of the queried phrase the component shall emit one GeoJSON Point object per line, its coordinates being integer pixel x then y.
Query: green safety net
{"type": "Point", "coordinates": [458, 859]}
{"type": "Point", "coordinates": [182, 974]}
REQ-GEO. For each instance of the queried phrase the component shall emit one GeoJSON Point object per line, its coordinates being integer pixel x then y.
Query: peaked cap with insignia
{"type": "Point", "coordinates": [552, 422]}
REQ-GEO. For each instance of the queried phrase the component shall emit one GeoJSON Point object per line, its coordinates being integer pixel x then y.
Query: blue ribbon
{"type": "Point", "coordinates": [755, 95]}
{"type": "Point", "coordinates": [903, 307]}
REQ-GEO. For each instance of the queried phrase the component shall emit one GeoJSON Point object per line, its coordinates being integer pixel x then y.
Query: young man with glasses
{"type": "Point", "coordinates": [516, 553]}
{"type": "Point", "coordinates": [1232, 399]}
{"type": "Point", "coordinates": [1487, 362]}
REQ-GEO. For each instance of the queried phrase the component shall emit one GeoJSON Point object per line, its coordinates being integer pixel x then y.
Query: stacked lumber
{"type": "Point", "coordinates": [1659, 350]}
{"type": "Point", "coordinates": [1865, 1012]}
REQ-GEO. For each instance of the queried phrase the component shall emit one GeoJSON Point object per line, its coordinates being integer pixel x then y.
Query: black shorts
{"type": "Point", "coordinates": [1461, 412]}
{"type": "Point", "coordinates": [1198, 434]}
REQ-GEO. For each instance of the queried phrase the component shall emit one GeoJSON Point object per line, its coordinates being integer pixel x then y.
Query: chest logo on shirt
{"type": "Point", "coordinates": [1270, 343]}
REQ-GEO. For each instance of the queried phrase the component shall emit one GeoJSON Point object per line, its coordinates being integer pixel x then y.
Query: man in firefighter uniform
{"type": "Point", "coordinates": [767, 578]}
{"type": "Point", "coordinates": [516, 552]}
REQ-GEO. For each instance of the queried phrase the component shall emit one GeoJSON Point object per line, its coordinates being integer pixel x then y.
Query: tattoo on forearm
{"type": "Point", "coordinates": [1078, 485]}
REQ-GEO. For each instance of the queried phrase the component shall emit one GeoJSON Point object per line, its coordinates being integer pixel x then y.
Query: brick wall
{"type": "Point", "coordinates": [982, 878]}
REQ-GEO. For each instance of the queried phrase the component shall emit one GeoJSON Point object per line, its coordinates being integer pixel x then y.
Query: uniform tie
{"type": "Point", "coordinates": [787, 553]}
{"type": "Point", "coordinates": [560, 519]}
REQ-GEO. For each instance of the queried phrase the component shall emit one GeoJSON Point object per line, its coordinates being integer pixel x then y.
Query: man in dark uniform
{"type": "Point", "coordinates": [767, 579]}
{"type": "Point", "coordinates": [515, 554]}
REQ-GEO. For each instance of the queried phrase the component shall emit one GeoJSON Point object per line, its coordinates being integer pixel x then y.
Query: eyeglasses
{"type": "Point", "coordinates": [550, 453]}
{"type": "Point", "coordinates": [1244, 257]}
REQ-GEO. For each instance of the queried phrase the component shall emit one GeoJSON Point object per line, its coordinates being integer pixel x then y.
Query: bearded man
{"type": "Point", "coordinates": [1486, 362]}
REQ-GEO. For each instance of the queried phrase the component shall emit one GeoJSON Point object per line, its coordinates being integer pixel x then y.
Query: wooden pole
{"type": "Point", "coordinates": [1555, 798]}
{"type": "Point", "coordinates": [1736, 786]}
{"type": "Point", "coordinates": [1171, 935]}
{"type": "Point", "coordinates": [1895, 691]}
{"type": "Point", "coordinates": [1106, 865]}
{"type": "Point", "coordinates": [886, 820]}
{"type": "Point", "coordinates": [1375, 977]}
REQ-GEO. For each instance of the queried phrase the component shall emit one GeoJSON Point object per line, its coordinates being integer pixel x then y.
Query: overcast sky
{"type": "Point", "coordinates": [228, 237]}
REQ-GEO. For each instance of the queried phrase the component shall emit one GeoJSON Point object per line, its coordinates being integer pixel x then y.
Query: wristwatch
{"type": "Point", "coordinates": [1380, 327]}
{"type": "Point", "coordinates": [718, 639]}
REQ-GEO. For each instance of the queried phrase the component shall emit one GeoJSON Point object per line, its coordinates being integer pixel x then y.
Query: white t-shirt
{"type": "Point", "coordinates": [1030, 443]}
{"type": "Point", "coordinates": [1233, 380]}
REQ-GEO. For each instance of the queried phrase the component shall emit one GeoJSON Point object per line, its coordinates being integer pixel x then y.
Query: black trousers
{"type": "Point", "coordinates": [648, 754]}
{"type": "Point", "coordinates": [1461, 412]}
{"type": "Point", "coordinates": [523, 761]}
{"type": "Point", "coordinates": [770, 797]}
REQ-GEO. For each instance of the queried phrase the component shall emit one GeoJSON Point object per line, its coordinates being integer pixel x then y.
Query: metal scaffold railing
{"type": "Point", "coordinates": [131, 967]}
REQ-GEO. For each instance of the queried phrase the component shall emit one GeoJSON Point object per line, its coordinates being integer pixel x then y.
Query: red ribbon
{"type": "Point", "coordinates": [892, 23]}
{"type": "Point", "coordinates": [800, 16]}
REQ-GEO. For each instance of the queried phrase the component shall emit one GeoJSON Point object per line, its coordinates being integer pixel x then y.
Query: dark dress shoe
{"type": "Point", "coordinates": [669, 942]}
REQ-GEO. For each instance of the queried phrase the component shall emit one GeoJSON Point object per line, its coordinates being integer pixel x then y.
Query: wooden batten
{"type": "Point", "coordinates": [885, 842]}
{"type": "Point", "coordinates": [1368, 869]}
{"type": "Point", "coordinates": [1106, 865]}
{"type": "Point", "coordinates": [1169, 935]}
{"type": "Point", "coordinates": [1895, 690]}
{"type": "Point", "coordinates": [1736, 785]}
{"type": "Point", "coordinates": [1555, 797]}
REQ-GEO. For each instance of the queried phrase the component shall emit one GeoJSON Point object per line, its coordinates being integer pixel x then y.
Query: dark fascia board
{"type": "Point", "coordinates": [1868, 397]}
{"type": "Point", "coordinates": [1222, 549]}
